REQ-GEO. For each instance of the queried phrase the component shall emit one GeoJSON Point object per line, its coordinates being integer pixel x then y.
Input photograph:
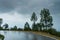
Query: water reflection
{"type": "Point", "coordinates": [16, 35]}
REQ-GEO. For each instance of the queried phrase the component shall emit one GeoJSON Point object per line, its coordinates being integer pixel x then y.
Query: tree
{"type": "Point", "coordinates": [50, 19]}
{"type": "Point", "coordinates": [34, 27]}
{"type": "Point", "coordinates": [34, 19]}
{"type": "Point", "coordinates": [15, 27]}
{"type": "Point", "coordinates": [6, 25]}
{"type": "Point", "coordinates": [46, 19]}
{"type": "Point", "coordinates": [39, 25]}
{"type": "Point", "coordinates": [1, 21]}
{"type": "Point", "coordinates": [20, 29]}
{"type": "Point", "coordinates": [27, 27]}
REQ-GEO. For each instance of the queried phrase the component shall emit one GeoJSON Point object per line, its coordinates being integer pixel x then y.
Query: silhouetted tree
{"type": "Point", "coordinates": [14, 28]}
{"type": "Point", "coordinates": [39, 25]}
{"type": "Point", "coordinates": [34, 19]}
{"type": "Point", "coordinates": [34, 27]}
{"type": "Point", "coordinates": [50, 19]}
{"type": "Point", "coordinates": [6, 25]}
{"type": "Point", "coordinates": [20, 29]}
{"type": "Point", "coordinates": [27, 27]}
{"type": "Point", "coordinates": [1, 21]}
{"type": "Point", "coordinates": [46, 19]}
{"type": "Point", "coordinates": [1, 28]}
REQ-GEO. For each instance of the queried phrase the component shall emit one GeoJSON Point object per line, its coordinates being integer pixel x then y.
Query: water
{"type": "Point", "coordinates": [16, 35]}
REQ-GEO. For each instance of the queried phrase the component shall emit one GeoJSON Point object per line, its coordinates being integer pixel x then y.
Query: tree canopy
{"type": "Point", "coordinates": [46, 18]}
{"type": "Point", "coordinates": [27, 27]}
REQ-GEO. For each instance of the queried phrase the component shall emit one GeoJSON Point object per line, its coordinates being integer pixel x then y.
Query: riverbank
{"type": "Point", "coordinates": [39, 33]}
{"type": "Point", "coordinates": [47, 35]}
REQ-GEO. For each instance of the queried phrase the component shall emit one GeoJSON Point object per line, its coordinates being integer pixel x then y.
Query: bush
{"type": "Point", "coordinates": [2, 37]}
{"type": "Point", "coordinates": [19, 29]}
{"type": "Point", "coordinates": [1, 28]}
{"type": "Point", "coordinates": [58, 34]}
{"type": "Point", "coordinates": [44, 30]}
{"type": "Point", "coordinates": [52, 31]}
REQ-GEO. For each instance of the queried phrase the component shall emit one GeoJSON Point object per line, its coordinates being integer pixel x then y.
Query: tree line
{"type": "Point", "coordinates": [45, 22]}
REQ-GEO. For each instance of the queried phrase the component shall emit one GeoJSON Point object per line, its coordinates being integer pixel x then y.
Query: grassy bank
{"type": "Point", "coordinates": [47, 35]}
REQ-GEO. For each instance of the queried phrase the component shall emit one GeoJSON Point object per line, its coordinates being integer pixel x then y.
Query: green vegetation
{"type": "Point", "coordinates": [1, 37]}
{"type": "Point", "coordinates": [46, 19]}
{"type": "Point", "coordinates": [54, 32]}
{"type": "Point", "coordinates": [27, 27]}
{"type": "Point", "coordinates": [34, 19]}
{"type": "Point", "coordinates": [6, 25]}
{"type": "Point", "coordinates": [1, 20]}
{"type": "Point", "coordinates": [14, 28]}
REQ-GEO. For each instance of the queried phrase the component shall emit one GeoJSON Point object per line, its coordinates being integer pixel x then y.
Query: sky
{"type": "Point", "coordinates": [18, 12]}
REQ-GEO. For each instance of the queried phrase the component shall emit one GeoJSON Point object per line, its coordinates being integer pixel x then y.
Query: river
{"type": "Point", "coordinates": [19, 35]}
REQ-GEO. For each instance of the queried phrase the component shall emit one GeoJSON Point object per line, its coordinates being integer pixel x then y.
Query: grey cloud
{"type": "Point", "coordinates": [28, 6]}
{"type": "Point", "coordinates": [56, 6]}
{"type": "Point", "coordinates": [6, 5]}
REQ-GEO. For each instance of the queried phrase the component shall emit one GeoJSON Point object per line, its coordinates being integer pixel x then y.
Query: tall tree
{"type": "Point", "coordinates": [6, 25]}
{"type": "Point", "coordinates": [27, 27]}
{"type": "Point", "coordinates": [15, 27]}
{"type": "Point", "coordinates": [1, 21]}
{"type": "Point", "coordinates": [34, 27]}
{"type": "Point", "coordinates": [34, 19]}
{"type": "Point", "coordinates": [50, 20]}
{"type": "Point", "coordinates": [46, 19]}
{"type": "Point", "coordinates": [39, 25]}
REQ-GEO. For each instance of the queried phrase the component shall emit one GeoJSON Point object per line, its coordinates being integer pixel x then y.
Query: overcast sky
{"type": "Point", "coordinates": [17, 12]}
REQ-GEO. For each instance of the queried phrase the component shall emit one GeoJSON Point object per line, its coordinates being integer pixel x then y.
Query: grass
{"type": "Point", "coordinates": [44, 34]}
{"type": "Point", "coordinates": [47, 35]}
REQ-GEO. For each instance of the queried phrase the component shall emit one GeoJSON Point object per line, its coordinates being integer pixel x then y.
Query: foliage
{"type": "Point", "coordinates": [20, 29]}
{"type": "Point", "coordinates": [27, 27]}
{"type": "Point", "coordinates": [1, 21]}
{"type": "Point", "coordinates": [34, 19]}
{"type": "Point", "coordinates": [34, 27]}
{"type": "Point", "coordinates": [46, 19]}
{"type": "Point", "coordinates": [14, 28]}
{"type": "Point", "coordinates": [52, 31]}
{"type": "Point", "coordinates": [2, 37]}
{"type": "Point", "coordinates": [1, 28]}
{"type": "Point", "coordinates": [39, 25]}
{"type": "Point", "coordinates": [58, 34]}
{"type": "Point", "coordinates": [6, 25]}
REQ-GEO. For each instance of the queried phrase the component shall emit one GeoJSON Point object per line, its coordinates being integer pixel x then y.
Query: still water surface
{"type": "Point", "coordinates": [18, 35]}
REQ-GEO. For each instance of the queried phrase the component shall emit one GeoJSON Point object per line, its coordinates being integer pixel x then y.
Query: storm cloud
{"type": "Point", "coordinates": [28, 6]}
{"type": "Point", "coordinates": [19, 11]}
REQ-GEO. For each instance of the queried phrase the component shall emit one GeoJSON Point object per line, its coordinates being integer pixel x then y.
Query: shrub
{"type": "Point", "coordinates": [2, 37]}
{"type": "Point", "coordinates": [52, 31]}
{"type": "Point", "coordinates": [58, 34]}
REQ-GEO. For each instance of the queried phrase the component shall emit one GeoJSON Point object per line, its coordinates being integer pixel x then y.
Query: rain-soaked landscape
{"type": "Point", "coordinates": [29, 19]}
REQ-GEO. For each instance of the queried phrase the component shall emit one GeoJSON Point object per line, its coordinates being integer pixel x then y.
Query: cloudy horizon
{"type": "Point", "coordinates": [17, 12]}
